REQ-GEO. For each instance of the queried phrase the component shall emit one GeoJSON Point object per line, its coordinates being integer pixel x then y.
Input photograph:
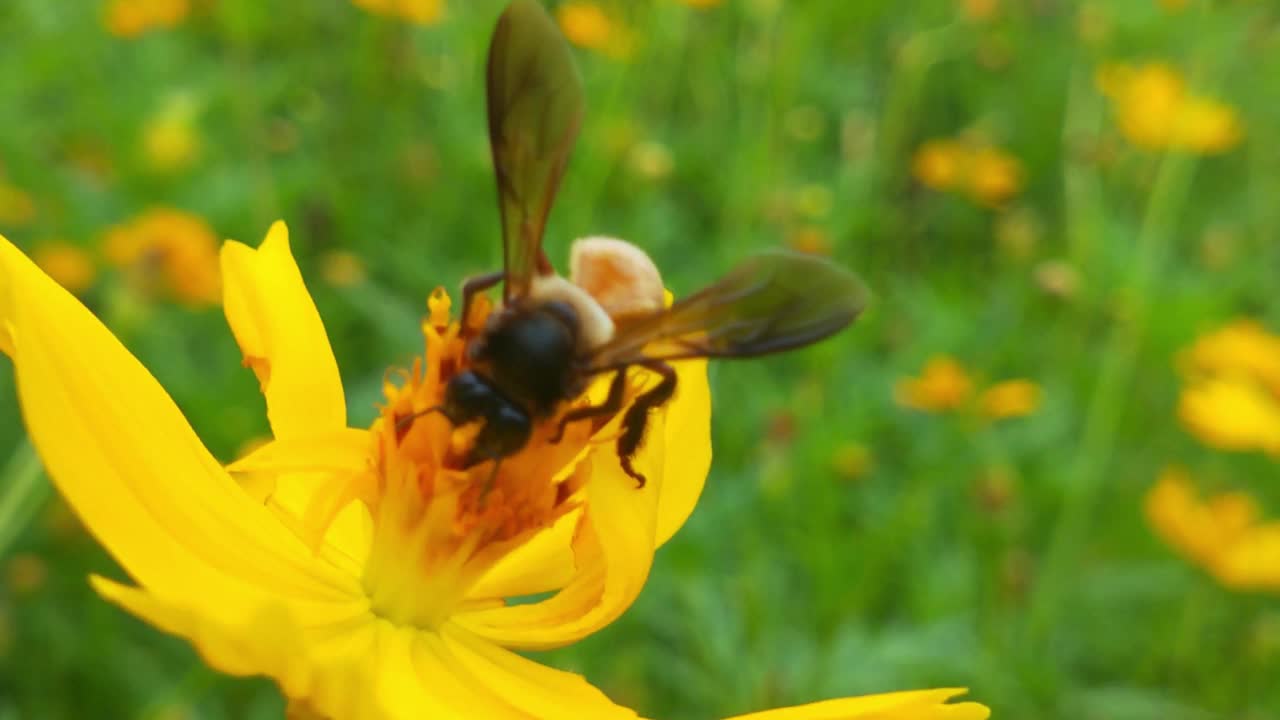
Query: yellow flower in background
{"type": "Point", "coordinates": [17, 208]}
{"type": "Point", "coordinates": [420, 12]}
{"type": "Point", "coordinates": [130, 18]}
{"type": "Point", "coordinates": [1156, 111]}
{"type": "Point", "coordinates": [1009, 399]}
{"type": "Point", "coordinates": [170, 140]}
{"type": "Point", "coordinates": [987, 174]}
{"type": "Point", "coordinates": [364, 570]}
{"type": "Point", "coordinates": [587, 25]}
{"type": "Point", "coordinates": [1223, 534]}
{"type": "Point", "coordinates": [169, 252]}
{"type": "Point", "coordinates": [1242, 347]}
{"type": "Point", "coordinates": [945, 385]}
{"type": "Point", "coordinates": [1231, 397]}
{"type": "Point", "coordinates": [701, 4]}
{"type": "Point", "coordinates": [69, 265]}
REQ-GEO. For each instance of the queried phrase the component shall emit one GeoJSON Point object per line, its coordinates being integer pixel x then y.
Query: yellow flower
{"type": "Point", "coordinates": [1156, 111]}
{"type": "Point", "coordinates": [945, 385]}
{"type": "Point", "coordinates": [994, 175]}
{"type": "Point", "coordinates": [69, 265]}
{"type": "Point", "coordinates": [940, 164]}
{"type": "Point", "coordinates": [1231, 413]}
{"type": "Point", "coordinates": [371, 580]}
{"type": "Point", "coordinates": [987, 174]}
{"type": "Point", "coordinates": [1223, 534]}
{"type": "Point", "coordinates": [168, 251]}
{"type": "Point", "coordinates": [1009, 399]}
{"type": "Point", "coordinates": [1242, 347]}
{"type": "Point", "coordinates": [420, 12]}
{"type": "Point", "coordinates": [942, 385]}
{"type": "Point", "coordinates": [170, 141]}
{"type": "Point", "coordinates": [130, 18]}
{"type": "Point", "coordinates": [587, 25]}
{"type": "Point", "coordinates": [1231, 399]}
{"type": "Point", "coordinates": [16, 206]}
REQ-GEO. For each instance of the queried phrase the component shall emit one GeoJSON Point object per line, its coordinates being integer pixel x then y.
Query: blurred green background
{"type": "Point", "coordinates": [962, 156]}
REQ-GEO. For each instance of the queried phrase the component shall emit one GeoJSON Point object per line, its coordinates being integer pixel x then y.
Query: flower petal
{"type": "Point", "coordinates": [907, 705]}
{"type": "Point", "coordinates": [120, 452]}
{"type": "Point", "coordinates": [686, 423]}
{"type": "Point", "coordinates": [613, 551]}
{"type": "Point", "coordinates": [282, 338]}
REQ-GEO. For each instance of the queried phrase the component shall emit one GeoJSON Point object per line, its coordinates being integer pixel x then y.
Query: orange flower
{"type": "Point", "coordinates": [1155, 110]}
{"type": "Point", "coordinates": [130, 18]}
{"type": "Point", "coordinates": [168, 251]}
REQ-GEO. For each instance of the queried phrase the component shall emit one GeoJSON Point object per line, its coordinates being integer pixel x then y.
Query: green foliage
{"type": "Point", "coordinates": [791, 582]}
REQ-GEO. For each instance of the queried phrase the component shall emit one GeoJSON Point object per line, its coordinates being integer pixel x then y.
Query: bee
{"type": "Point", "coordinates": [551, 336]}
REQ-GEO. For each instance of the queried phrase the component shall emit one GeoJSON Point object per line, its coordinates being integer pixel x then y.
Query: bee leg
{"type": "Point", "coordinates": [404, 423]}
{"type": "Point", "coordinates": [611, 404]}
{"type": "Point", "coordinates": [637, 418]}
{"type": "Point", "coordinates": [477, 284]}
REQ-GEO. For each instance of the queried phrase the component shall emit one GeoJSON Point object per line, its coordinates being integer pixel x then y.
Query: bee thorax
{"type": "Point", "coordinates": [595, 327]}
{"type": "Point", "coordinates": [620, 276]}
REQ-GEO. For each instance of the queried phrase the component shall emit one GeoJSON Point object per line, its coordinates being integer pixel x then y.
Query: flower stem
{"type": "Point", "coordinates": [1084, 477]}
{"type": "Point", "coordinates": [23, 492]}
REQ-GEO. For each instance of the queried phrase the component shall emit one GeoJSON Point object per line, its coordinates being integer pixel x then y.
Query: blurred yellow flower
{"type": "Point", "coordinates": [17, 208]}
{"type": "Point", "coordinates": [69, 265]}
{"type": "Point", "coordinates": [940, 164]}
{"type": "Point", "coordinates": [945, 385]}
{"type": "Point", "coordinates": [986, 174]}
{"type": "Point", "coordinates": [170, 140]}
{"type": "Point", "coordinates": [1222, 534]}
{"type": "Point", "coordinates": [979, 10]}
{"type": "Point", "coordinates": [1156, 111]}
{"type": "Point", "coordinates": [1242, 347]}
{"type": "Point", "coordinates": [1231, 396]}
{"type": "Point", "coordinates": [130, 18]}
{"type": "Point", "coordinates": [587, 25]}
{"type": "Point", "coordinates": [27, 573]}
{"type": "Point", "coordinates": [420, 12]}
{"type": "Point", "coordinates": [1231, 413]}
{"type": "Point", "coordinates": [169, 252]}
{"type": "Point", "coordinates": [342, 268]}
{"type": "Point", "coordinates": [1009, 399]}
{"type": "Point", "coordinates": [372, 579]}
{"type": "Point", "coordinates": [701, 3]}
{"type": "Point", "coordinates": [942, 385]}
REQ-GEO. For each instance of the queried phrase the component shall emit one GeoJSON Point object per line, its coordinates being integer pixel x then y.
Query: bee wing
{"type": "Point", "coordinates": [770, 302]}
{"type": "Point", "coordinates": [535, 100]}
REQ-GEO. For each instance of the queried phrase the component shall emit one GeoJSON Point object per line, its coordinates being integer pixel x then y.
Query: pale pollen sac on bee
{"type": "Point", "coordinates": [620, 276]}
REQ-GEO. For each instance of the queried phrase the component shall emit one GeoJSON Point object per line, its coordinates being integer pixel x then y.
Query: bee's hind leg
{"type": "Point", "coordinates": [636, 420]}
{"type": "Point", "coordinates": [612, 404]}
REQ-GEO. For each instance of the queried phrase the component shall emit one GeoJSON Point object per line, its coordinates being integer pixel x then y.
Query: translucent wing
{"type": "Point", "coordinates": [535, 109]}
{"type": "Point", "coordinates": [771, 302]}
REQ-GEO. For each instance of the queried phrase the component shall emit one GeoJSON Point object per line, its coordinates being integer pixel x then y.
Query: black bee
{"type": "Point", "coordinates": [551, 336]}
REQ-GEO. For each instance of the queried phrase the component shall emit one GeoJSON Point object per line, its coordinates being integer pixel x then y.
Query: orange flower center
{"type": "Point", "coordinates": [439, 524]}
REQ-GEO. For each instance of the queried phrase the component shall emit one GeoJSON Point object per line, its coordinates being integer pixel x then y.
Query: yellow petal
{"type": "Point", "coordinates": [686, 424]}
{"type": "Point", "coordinates": [613, 552]}
{"type": "Point", "coordinates": [121, 453]}
{"type": "Point", "coordinates": [908, 705]}
{"type": "Point", "coordinates": [546, 562]}
{"type": "Point", "coordinates": [282, 338]}
{"type": "Point", "coordinates": [1231, 413]}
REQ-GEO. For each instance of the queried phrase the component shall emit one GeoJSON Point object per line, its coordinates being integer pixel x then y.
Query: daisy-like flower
{"type": "Point", "coordinates": [1225, 533]}
{"type": "Point", "coordinates": [367, 571]}
{"type": "Point", "coordinates": [987, 174]}
{"type": "Point", "coordinates": [944, 385]}
{"type": "Point", "coordinates": [1231, 398]}
{"type": "Point", "coordinates": [167, 252]}
{"type": "Point", "coordinates": [1155, 110]}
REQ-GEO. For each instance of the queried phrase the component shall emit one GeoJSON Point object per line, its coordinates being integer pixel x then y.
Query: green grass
{"type": "Point", "coordinates": [790, 583]}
